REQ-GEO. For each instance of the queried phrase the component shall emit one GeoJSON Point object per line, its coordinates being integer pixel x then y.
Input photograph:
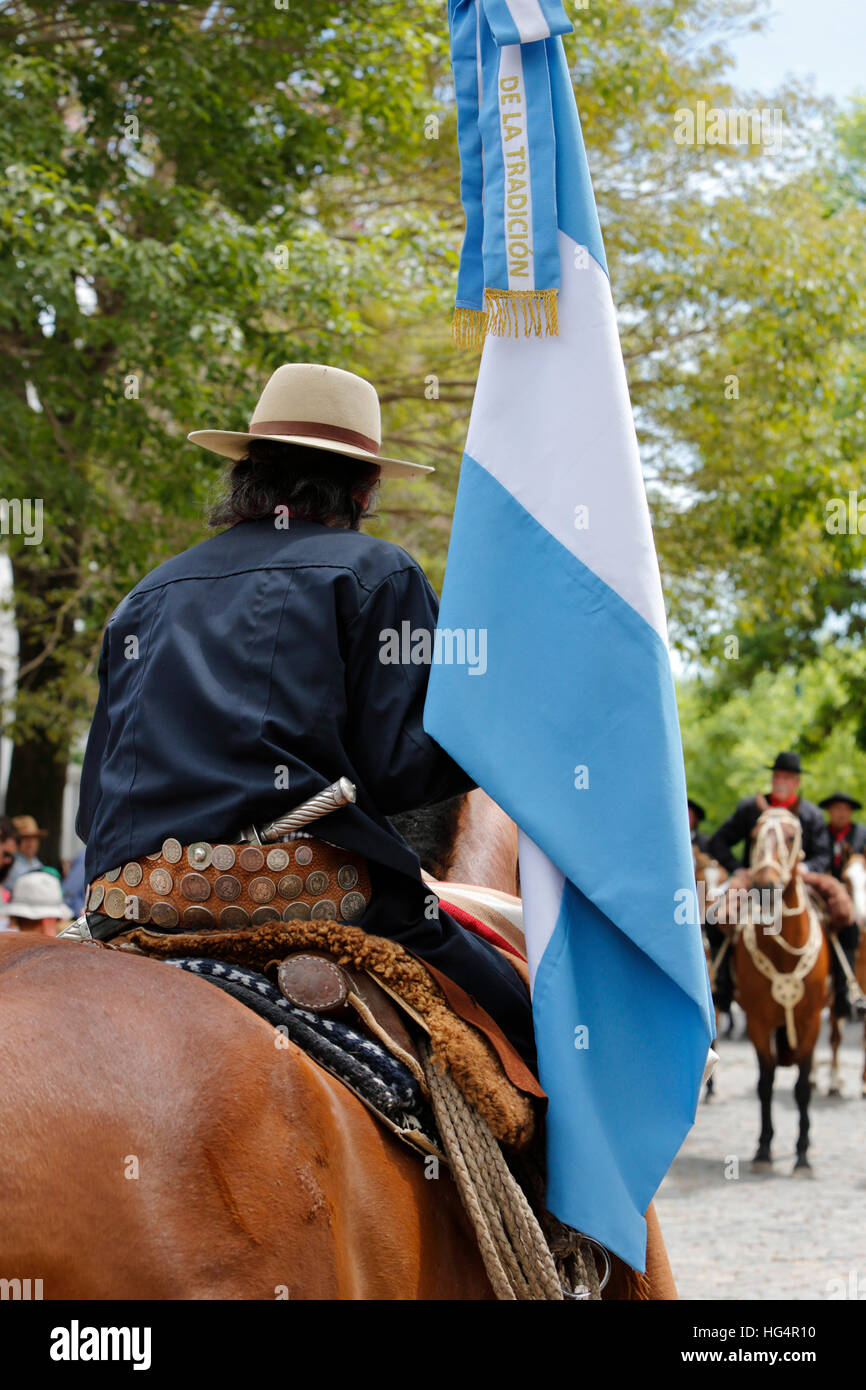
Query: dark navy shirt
{"type": "Point", "coordinates": [241, 677]}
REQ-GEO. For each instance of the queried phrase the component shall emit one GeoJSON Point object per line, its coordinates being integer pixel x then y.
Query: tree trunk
{"type": "Point", "coordinates": [40, 732]}
{"type": "Point", "coordinates": [36, 783]}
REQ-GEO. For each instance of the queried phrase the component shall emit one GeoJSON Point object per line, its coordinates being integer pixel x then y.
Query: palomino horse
{"type": "Point", "coordinates": [854, 876]}
{"type": "Point", "coordinates": [159, 1141]}
{"type": "Point", "coordinates": [782, 975]}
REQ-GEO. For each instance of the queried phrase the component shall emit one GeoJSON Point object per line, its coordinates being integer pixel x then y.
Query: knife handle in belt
{"type": "Point", "coordinates": [340, 793]}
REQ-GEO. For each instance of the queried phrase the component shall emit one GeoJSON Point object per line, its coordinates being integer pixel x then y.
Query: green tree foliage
{"type": "Point", "coordinates": [162, 251]}
{"type": "Point", "coordinates": [195, 193]}
{"type": "Point", "coordinates": [729, 743]}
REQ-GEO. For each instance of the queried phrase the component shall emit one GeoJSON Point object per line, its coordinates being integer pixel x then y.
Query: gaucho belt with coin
{"type": "Point", "coordinates": [276, 873]}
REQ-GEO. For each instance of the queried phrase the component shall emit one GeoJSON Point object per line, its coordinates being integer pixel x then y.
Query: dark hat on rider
{"type": "Point", "coordinates": [698, 809]}
{"type": "Point", "coordinates": [787, 762]}
{"type": "Point", "coordinates": [840, 796]}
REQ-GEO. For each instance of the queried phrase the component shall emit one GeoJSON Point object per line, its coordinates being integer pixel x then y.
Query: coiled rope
{"type": "Point", "coordinates": [519, 1262]}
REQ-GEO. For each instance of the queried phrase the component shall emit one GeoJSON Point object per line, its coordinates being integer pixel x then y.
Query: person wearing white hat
{"type": "Point", "coordinates": [248, 674]}
{"type": "Point", "coordinates": [37, 903]}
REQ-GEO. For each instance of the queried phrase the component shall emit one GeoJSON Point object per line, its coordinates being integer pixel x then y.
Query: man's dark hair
{"type": "Point", "coordinates": [315, 484]}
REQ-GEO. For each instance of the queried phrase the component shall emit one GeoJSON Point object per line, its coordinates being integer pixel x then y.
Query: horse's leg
{"type": "Point", "coordinates": [835, 1070]}
{"type": "Point", "coordinates": [863, 1085]}
{"type": "Point", "coordinates": [802, 1093]}
{"type": "Point", "coordinates": [766, 1074]}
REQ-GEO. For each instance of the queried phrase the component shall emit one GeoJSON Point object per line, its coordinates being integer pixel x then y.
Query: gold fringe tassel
{"type": "Point", "coordinates": [509, 314]}
{"type": "Point", "coordinates": [469, 328]}
{"type": "Point", "coordinates": [536, 308]}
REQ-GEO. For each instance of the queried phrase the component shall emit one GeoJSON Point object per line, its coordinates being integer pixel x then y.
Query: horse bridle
{"type": "Point", "coordinates": [787, 859]}
{"type": "Point", "coordinates": [786, 863]}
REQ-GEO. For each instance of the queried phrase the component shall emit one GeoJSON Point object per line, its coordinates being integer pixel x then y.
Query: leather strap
{"type": "Point", "coordinates": [177, 892]}
{"type": "Point", "coordinates": [466, 1008]}
{"type": "Point", "coordinates": [382, 1018]}
{"type": "Point", "coordinates": [336, 433]}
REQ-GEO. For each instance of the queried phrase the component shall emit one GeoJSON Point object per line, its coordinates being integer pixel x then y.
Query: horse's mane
{"type": "Point", "coordinates": [430, 831]}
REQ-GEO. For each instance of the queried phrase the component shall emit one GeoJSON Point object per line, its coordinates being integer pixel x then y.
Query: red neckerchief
{"type": "Point", "coordinates": [840, 836]}
{"type": "Point", "coordinates": [787, 803]}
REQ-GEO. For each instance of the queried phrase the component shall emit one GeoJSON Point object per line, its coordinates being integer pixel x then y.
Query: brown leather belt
{"type": "Point", "coordinates": [203, 885]}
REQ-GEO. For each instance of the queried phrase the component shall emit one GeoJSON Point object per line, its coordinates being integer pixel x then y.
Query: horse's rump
{"type": "Point", "coordinates": [161, 1142]}
{"type": "Point", "coordinates": [158, 1144]}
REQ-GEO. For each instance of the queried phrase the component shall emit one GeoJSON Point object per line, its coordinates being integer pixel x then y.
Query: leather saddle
{"type": "Point", "coordinates": [338, 969]}
{"type": "Point", "coordinates": [314, 980]}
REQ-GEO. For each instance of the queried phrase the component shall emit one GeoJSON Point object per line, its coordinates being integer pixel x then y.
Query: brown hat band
{"type": "Point", "coordinates": [336, 433]}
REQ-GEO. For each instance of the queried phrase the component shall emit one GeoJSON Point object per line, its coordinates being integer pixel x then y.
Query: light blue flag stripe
{"type": "Point", "coordinates": [577, 214]}
{"type": "Point", "coordinates": [626, 1089]}
{"type": "Point", "coordinates": [542, 157]}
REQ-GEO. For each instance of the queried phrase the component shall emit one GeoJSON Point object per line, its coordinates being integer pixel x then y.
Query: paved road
{"type": "Point", "coordinates": [733, 1234]}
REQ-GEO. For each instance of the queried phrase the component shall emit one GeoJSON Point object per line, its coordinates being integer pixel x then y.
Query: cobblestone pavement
{"type": "Point", "coordinates": [734, 1234]}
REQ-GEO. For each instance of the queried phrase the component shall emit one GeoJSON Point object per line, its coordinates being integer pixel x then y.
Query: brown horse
{"type": "Point", "coordinates": [162, 1141]}
{"type": "Point", "coordinates": [484, 849]}
{"type": "Point", "coordinates": [782, 975]}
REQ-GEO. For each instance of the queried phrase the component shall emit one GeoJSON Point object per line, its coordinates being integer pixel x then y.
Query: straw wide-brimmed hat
{"type": "Point", "coordinates": [320, 407]}
{"type": "Point", "coordinates": [37, 895]}
{"type": "Point", "coordinates": [27, 825]}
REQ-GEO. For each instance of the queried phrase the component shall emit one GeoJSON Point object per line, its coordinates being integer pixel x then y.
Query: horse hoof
{"type": "Point", "coordinates": [761, 1165]}
{"type": "Point", "coordinates": [803, 1170]}
{"type": "Point", "coordinates": [835, 1093]}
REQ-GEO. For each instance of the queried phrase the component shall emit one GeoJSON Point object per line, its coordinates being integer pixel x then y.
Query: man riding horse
{"type": "Point", "coordinates": [249, 673]}
{"type": "Point", "coordinates": [814, 868]}
{"type": "Point", "coordinates": [848, 837]}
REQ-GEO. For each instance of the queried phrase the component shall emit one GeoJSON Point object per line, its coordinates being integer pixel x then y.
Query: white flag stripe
{"type": "Point", "coordinates": [573, 443]}
{"type": "Point", "coordinates": [530, 20]}
{"type": "Point", "coordinates": [541, 885]}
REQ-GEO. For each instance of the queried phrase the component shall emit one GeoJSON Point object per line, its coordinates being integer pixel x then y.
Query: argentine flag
{"type": "Point", "coordinates": [572, 727]}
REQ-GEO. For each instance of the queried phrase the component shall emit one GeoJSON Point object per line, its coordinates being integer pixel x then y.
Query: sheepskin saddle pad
{"type": "Point", "coordinates": [480, 1061]}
